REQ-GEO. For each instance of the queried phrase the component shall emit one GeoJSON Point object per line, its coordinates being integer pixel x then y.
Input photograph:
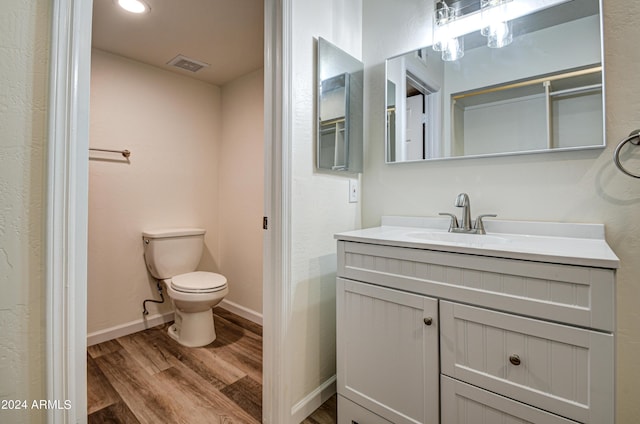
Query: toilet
{"type": "Point", "coordinates": [172, 256]}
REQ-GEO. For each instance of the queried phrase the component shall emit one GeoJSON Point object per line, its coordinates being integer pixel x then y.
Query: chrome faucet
{"type": "Point", "coordinates": [462, 201]}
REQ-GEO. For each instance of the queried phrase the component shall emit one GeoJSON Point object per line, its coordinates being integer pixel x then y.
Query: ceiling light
{"type": "Point", "coordinates": [134, 6]}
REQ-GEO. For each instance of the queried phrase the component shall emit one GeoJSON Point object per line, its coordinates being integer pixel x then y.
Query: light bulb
{"type": "Point", "coordinates": [496, 27]}
{"type": "Point", "coordinates": [485, 6]}
{"type": "Point", "coordinates": [499, 35]}
{"type": "Point", "coordinates": [452, 49]}
{"type": "Point", "coordinates": [440, 19]}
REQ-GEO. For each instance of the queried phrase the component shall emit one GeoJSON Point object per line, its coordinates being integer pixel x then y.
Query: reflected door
{"type": "Point", "coordinates": [414, 141]}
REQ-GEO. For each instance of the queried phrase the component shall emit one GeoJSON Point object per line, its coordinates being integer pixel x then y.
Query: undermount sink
{"type": "Point", "coordinates": [458, 237]}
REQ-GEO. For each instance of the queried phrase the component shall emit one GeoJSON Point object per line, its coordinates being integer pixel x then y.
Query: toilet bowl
{"type": "Point", "coordinates": [193, 295]}
{"type": "Point", "coordinates": [172, 255]}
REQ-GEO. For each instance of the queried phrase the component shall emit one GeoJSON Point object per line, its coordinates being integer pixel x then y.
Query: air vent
{"type": "Point", "coordinates": [187, 63]}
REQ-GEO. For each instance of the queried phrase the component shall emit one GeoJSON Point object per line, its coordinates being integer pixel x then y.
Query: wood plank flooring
{"type": "Point", "coordinates": [147, 377]}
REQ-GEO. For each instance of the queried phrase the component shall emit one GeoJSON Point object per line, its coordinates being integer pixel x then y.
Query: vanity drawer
{"type": "Point", "coordinates": [352, 413]}
{"type": "Point", "coordinates": [565, 370]}
{"type": "Point", "coordinates": [463, 403]}
{"type": "Point", "coordinates": [570, 294]}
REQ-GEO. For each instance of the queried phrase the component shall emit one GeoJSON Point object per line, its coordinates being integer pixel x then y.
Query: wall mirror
{"type": "Point", "coordinates": [340, 109]}
{"type": "Point", "coordinates": [501, 77]}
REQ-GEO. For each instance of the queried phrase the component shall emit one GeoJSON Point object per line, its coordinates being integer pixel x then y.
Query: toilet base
{"type": "Point", "coordinates": [193, 329]}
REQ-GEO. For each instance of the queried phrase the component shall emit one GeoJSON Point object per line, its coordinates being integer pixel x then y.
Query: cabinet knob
{"type": "Point", "coordinates": [515, 359]}
{"type": "Point", "coordinates": [428, 321]}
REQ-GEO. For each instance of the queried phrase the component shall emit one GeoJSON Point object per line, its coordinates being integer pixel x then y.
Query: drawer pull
{"type": "Point", "coordinates": [514, 359]}
{"type": "Point", "coordinates": [428, 321]}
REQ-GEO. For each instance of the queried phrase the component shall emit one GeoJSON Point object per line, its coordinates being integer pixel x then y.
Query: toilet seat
{"type": "Point", "coordinates": [198, 282]}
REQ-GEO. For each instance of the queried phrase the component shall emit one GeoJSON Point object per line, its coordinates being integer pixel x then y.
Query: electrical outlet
{"type": "Point", "coordinates": [354, 192]}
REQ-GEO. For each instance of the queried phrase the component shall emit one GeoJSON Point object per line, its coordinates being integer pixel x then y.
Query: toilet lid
{"type": "Point", "coordinates": [198, 282]}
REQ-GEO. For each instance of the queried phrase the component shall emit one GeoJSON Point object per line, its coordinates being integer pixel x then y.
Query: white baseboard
{"type": "Point", "coordinates": [246, 313]}
{"type": "Point", "coordinates": [128, 328]}
{"type": "Point", "coordinates": [158, 319]}
{"type": "Point", "coordinates": [313, 400]}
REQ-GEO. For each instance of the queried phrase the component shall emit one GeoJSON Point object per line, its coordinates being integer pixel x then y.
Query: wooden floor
{"type": "Point", "coordinates": [147, 377]}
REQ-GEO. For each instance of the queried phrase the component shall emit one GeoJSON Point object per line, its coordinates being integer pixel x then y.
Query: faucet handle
{"type": "Point", "coordinates": [454, 220]}
{"type": "Point", "coordinates": [479, 225]}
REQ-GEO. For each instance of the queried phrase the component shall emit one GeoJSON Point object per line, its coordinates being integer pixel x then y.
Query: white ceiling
{"type": "Point", "coordinates": [227, 34]}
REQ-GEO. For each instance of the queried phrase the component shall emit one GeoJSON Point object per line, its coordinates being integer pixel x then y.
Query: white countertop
{"type": "Point", "coordinates": [563, 243]}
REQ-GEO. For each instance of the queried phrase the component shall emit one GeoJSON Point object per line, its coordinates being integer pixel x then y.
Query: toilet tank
{"type": "Point", "coordinates": [173, 251]}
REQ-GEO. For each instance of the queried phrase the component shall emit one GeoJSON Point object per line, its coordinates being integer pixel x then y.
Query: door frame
{"type": "Point", "coordinates": [276, 282]}
{"type": "Point", "coordinates": [66, 228]}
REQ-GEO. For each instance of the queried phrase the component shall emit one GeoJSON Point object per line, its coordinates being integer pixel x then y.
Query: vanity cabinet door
{"type": "Point", "coordinates": [562, 369]}
{"type": "Point", "coordinates": [387, 352]}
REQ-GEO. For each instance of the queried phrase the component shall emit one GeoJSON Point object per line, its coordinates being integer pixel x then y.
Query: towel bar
{"type": "Point", "coordinates": [125, 153]}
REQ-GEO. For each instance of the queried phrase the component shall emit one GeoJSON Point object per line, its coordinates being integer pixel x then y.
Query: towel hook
{"type": "Point", "coordinates": [634, 138]}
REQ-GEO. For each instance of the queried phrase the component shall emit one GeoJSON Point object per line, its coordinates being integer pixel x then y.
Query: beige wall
{"type": "Point", "coordinates": [241, 197]}
{"type": "Point", "coordinates": [564, 186]}
{"type": "Point", "coordinates": [197, 160]}
{"type": "Point", "coordinates": [24, 74]}
{"type": "Point", "coordinates": [172, 126]}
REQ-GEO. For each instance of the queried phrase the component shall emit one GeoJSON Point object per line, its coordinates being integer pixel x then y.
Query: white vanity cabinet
{"type": "Point", "coordinates": [432, 333]}
{"type": "Point", "coordinates": [388, 349]}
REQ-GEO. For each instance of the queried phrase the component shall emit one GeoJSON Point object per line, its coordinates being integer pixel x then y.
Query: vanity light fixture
{"type": "Point", "coordinates": [134, 6]}
{"type": "Point", "coordinates": [491, 17]}
{"type": "Point", "coordinates": [498, 28]}
{"type": "Point", "coordinates": [451, 48]}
